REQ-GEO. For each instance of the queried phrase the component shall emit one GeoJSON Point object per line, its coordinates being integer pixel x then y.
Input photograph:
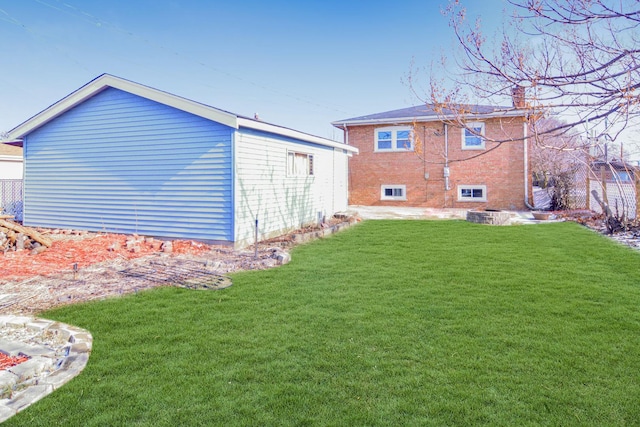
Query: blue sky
{"type": "Point", "coordinates": [296, 64]}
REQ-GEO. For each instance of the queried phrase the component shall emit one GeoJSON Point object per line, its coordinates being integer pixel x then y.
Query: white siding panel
{"type": "Point", "coordinates": [340, 180]}
{"type": "Point", "coordinates": [265, 192]}
{"type": "Point", "coordinates": [122, 163]}
{"type": "Point", "coordinates": [10, 168]}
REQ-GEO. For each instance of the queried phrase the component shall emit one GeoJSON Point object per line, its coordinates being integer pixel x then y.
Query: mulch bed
{"type": "Point", "coordinates": [7, 362]}
{"type": "Point", "coordinates": [81, 250]}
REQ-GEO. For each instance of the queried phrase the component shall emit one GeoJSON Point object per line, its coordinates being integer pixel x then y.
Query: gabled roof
{"type": "Point", "coordinates": [105, 81]}
{"type": "Point", "coordinates": [427, 113]}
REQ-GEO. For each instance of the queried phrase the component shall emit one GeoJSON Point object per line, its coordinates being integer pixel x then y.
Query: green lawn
{"type": "Point", "coordinates": [388, 323]}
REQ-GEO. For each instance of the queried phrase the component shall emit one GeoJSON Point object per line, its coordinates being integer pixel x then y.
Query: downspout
{"type": "Point", "coordinates": [445, 172]}
{"type": "Point", "coordinates": [345, 139]}
{"type": "Point", "coordinates": [526, 165]}
{"type": "Point", "coordinates": [424, 162]}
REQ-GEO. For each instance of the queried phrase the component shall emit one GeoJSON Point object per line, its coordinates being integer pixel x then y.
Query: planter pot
{"type": "Point", "coordinates": [542, 216]}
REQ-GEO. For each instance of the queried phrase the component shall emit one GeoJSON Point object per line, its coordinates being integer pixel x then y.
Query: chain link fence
{"type": "Point", "coordinates": [11, 197]}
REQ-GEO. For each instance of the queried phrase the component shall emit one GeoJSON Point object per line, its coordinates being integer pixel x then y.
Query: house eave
{"type": "Point", "coordinates": [431, 118]}
{"type": "Point", "coordinates": [278, 130]}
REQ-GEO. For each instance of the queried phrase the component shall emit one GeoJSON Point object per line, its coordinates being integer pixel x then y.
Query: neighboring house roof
{"type": "Point", "coordinates": [10, 150]}
{"type": "Point", "coordinates": [427, 112]}
{"type": "Point", "coordinates": [614, 164]}
{"type": "Point", "coordinates": [221, 116]}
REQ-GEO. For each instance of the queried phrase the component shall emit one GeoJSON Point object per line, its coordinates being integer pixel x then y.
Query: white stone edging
{"type": "Point", "coordinates": [50, 366]}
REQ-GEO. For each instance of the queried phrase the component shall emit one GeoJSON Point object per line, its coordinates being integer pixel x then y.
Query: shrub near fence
{"type": "Point", "coordinates": [11, 197]}
{"type": "Point", "coordinates": [575, 189]}
{"type": "Point", "coordinates": [621, 198]}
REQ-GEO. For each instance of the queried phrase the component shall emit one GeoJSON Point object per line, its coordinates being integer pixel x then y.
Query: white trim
{"type": "Point", "coordinates": [482, 136]}
{"type": "Point", "coordinates": [472, 187]}
{"type": "Point", "coordinates": [17, 159]}
{"type": "Point", "coordinates": [278, 130]}
{"type": "Point", "coordinates": [391, 187]}
{"type": "Point", "coordinates": [291, 164]}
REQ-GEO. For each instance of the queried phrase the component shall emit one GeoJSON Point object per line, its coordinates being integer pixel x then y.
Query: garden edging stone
{"type": "Point", "coordinates": [59, 352]}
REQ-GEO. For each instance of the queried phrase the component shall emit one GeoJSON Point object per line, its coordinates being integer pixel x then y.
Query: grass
{"type": "Point", "coordinates": [388, 323]}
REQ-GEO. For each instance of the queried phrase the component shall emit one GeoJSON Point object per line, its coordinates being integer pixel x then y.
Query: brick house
{"type": "Point", "coordinates": [418, 157]}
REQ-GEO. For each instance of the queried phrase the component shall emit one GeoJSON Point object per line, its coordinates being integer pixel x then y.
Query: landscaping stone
{"type": "Point", "coordinates": [8, 379]}
{"type": "Point", "coordinates": [31, 368]}
{"type": "Point", "coordinates": [283, 258]}
{"type": "Point", "coordinates": [10, 348]}
{"type": "Point", "coordinates": [6, 412]}
{"type": "Point", "coordinates": [58, 353]}
{"type": "Point", "coordinates": [16, 321]}
{"type": "Point", "coordinates": [26, 397]}
{"type": "Point", "coordinates": [489, 217]}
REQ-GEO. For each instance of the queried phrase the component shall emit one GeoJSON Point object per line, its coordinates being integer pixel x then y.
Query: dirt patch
{"type": "Point", "coordinates": [82, 266]}
{"type": "Point", "coordinates": [75, 250]}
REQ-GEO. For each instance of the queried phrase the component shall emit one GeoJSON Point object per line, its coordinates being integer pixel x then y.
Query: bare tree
{"type": "Point", "coordinates": [576, 58]}
{"type": "Point", "coordinates": [556, 162]}
{"type": "Point", "coordinates": [555, 153]}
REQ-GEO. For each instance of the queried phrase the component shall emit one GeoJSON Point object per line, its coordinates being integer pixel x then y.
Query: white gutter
{"type": "Point", "coordinates": [11, 158]}
{"type": "Point", "coordinates": [431, 118]}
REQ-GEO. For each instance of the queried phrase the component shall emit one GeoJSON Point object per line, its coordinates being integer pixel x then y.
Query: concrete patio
{"type": "Point", "coordinates": [400, 212]}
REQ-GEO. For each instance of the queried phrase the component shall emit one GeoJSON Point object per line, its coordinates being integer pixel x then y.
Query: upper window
{"type": "Point", "coordinates": [472, 193]}
{"type": "Point", "coordinates": [394, 139]}
{"type": "Point", "coordinates": [299, 164]}
{"type": "Point", "coordinates": [473, 136]}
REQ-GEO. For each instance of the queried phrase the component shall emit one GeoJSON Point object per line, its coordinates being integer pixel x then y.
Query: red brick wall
{"type": "Point", "coordinates": [500, 167]}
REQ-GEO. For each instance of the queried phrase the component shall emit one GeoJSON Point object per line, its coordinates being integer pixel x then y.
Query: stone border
{"type": "Point", "coordinates": [319, 234]}
{"type": "Point", "coordinates": [489, 217]}
{"type": "Point", "coordinates": [61, 354]}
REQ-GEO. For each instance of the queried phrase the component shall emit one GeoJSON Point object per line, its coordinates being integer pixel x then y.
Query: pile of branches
{"type": "Point", "coordinates": [15, 237]}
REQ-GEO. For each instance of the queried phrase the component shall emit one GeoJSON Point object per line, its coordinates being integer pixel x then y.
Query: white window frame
{"type": "Point", "coordinates": [294, 169]}
{"type": "Point", "coordinates": [473, 125]}
{"type": "Point", "coordinates": [402, 188]}
{"type": "Point", "coordinates": [472, 187]}
{"type": "Point", "coordinates": [394, 139]}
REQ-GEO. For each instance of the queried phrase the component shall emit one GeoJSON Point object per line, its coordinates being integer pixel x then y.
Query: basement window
{"type": "Point", "coordinates": [472, 193]}
{"type": "Point", "coordinates": [393, 192]}
{"type": "Point", "coordinates": [299, 164]}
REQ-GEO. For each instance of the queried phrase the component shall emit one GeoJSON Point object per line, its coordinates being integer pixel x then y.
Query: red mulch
{"type": "Point", "coordinates": [64, 253]}
{"type": "Point", "coordinates": [7, 362]}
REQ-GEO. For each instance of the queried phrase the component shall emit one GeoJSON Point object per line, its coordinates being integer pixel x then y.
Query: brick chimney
{"type": "Point", "coordinates": [517, 96]}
